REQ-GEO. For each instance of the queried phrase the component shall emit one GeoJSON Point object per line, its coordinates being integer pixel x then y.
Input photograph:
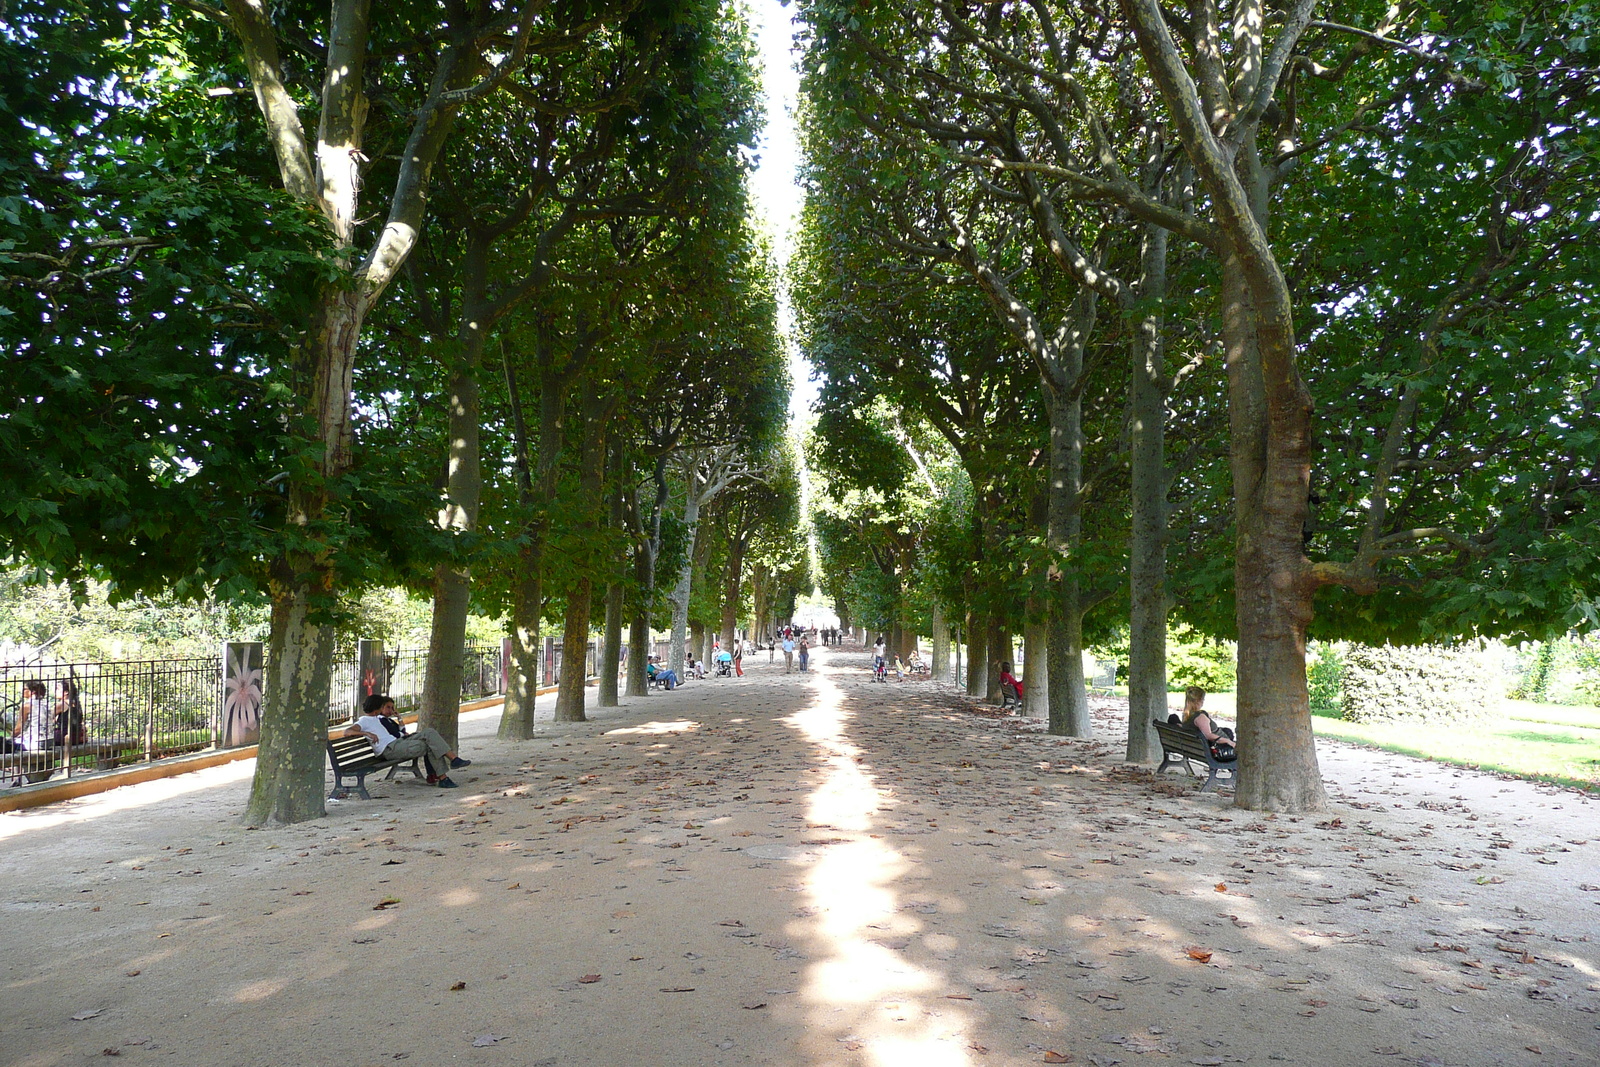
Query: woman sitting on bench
{"type": "Point", "coordinates": [1220, 738]}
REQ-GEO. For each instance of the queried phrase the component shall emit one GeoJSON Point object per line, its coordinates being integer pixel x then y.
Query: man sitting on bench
{"type": "Point", "coordinates": [391, 742]}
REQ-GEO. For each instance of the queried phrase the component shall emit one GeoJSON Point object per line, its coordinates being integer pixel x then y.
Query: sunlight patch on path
{"type": "Point", "coordinates": [863, 992]}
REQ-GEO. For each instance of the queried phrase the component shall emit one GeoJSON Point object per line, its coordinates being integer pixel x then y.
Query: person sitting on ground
{"type": "Point", "coordinates": [1220, 738]}
{"type": "Point", "coordinates": [668, 678]}
{"type": "Point", "coordinates": [693, 668]}
{"type": "Point", "coordinates": [390, 741]}
{"type": "Point", "coordinates": [1010, 682]}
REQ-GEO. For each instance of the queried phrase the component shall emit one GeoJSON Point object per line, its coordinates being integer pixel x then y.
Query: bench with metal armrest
{"type": "Point", "coordinates": [1181, 744]}
{"type": "Point", "coordinates": [353, 757]}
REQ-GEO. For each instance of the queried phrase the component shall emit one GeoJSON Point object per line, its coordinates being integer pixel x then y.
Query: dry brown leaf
{"type": "Point", "coordinates": [1057, 1057]}
{"type": "Point", "coordinates": [1199, 954]}
{"type": "Point", "coordinates": [589, 979]}
{"type": "Point", "coordinates": [1221, 887]}
{"type": "Point", "coordinates": [753, 1005]}
{"type": "Point", "coordinates": [458, 987]}
{"type": "Point", "coordinates": [956, 996]}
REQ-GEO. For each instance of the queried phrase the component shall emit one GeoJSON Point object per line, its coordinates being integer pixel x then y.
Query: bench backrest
{"type": "Point", "coordinates": [1182, 739]}
{"type": "Point", "coordinates": [343, 751]}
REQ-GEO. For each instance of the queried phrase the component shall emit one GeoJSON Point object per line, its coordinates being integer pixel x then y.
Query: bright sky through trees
{"type": "Point", "coordinates": [777, 192]}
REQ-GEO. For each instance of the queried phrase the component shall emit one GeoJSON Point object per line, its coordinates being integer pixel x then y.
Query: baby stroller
{"type": "Point", "coordinates": [880, 671]}
{"type": "Point", "coordinates": [724, 668]}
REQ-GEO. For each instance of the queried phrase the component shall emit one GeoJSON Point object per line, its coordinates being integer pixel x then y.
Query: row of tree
{"type": "Point", "coordinates": [306, 298]}
{"type": "Point", "coordinates": [1096, 263]}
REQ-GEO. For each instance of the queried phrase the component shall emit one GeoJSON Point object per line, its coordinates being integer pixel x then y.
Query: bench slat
{"type": "Point", "coordinates": [1180, 744]}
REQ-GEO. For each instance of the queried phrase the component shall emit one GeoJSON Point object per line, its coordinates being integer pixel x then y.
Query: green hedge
{"type": "Point", "coordinates": [1421, 683]}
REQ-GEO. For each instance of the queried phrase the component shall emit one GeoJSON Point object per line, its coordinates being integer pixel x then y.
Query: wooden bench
{"type": "Point", "coordinates": [39, 764]}
{"type": "Point", "coordinates": [353, 757]}
{"type": "Point", "coordinates": [1182, 744]}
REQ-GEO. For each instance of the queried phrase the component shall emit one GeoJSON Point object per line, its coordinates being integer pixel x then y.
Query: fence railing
{"type": "Point", "coordinates": [122, 710]}
{"type": "Point", "coordinates": [100, 714]}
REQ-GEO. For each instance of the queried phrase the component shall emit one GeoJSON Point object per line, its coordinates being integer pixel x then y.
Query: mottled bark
{"type": "Point", "coordinates": [977, 654]}
{"type": "Point", "coordinates": [1035, 657]}
{"type": "Point", "coordinates": [1147, 542]}
{"type": "Point", "coordinates": [287, 787]}
{"type": "Point", "coordinates": [939, 663]}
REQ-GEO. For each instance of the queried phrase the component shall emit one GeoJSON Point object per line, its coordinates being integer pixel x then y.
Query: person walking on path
{"type": "Point", "coordinates": [805, 656]}
{"type": "Point", "coordinates": [389, 741]}
{"type": "Point", "coordinates": [788, 654]}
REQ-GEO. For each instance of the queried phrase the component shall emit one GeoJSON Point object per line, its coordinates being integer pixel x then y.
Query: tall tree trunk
{"type": "Point", "coordinates": [580, 600]}
{"type": "Point", "coordinates": [610, 659]}
{"type": "Point", "coordinates": [1273, 594]}
{"type": "Point", "coordinates": [1147, 543]}
{"type": "Point", "coordinates": [732, 589]}
{"type": "Point", "coordinates": [1269, 408]}
{"type": "Point", "coordinates": [977, 655]}
{"type": "Point", "coordinates": [522, 673]}
{"type": "Point", "coordinates": [1035, 657]}
{"type": "Point", "coordinates": [940, 656]}
{"type": "Point", "coordinates": [611, 656]}
{"type": "Point", "coordinates": [681, 591]}
{"type": "Point", "coordinates": [999, 645]}
{"type": "Point", "coordinates": [452, 580]}
{"type": "Point", "coordinates": [574, 652]}
{"type": "Point", "coordinates": [288, 782]}
{"type": "Point", "coordinates": [287, 786]}
{"type": "Point", "coordinates": [1069, 698]}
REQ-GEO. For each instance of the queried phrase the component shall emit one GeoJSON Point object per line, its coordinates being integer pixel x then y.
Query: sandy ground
{"type": "Point", "coordinates": [808, 870]}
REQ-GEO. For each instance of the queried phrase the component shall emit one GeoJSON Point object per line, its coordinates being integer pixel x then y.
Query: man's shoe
{"type": "Point", "coordinates": [446, 783]}
{"type": "Point", "coordinates": [456, 763]}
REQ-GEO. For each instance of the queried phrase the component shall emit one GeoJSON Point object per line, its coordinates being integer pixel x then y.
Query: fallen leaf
{"type": "Point", "coordinates": [589, 979]}
{"type": "Point", "coordinates": [514, 885]}
{"type": "Point", "coordinates": [1199, 954]}
{"type": "Point", "coordinates": [111, 1052]}
{"type": "Point", "coordinates": [677, 989]}
{"type": "Point", "coordinates": [458, 987]}
{"type": "Point", "coordinates": [132, 974]}
{"type": "Point", "coordinates": [1057, 1057]}
{"type": "Point", "coordinates": [386, 903]}
{"type": "Point", "coordinates": [1221, 887]}
{"type": "Point", "coordinates": [484, 1040]}
{"type": "Point", "coordinates": [82, 1015]}
{"type": "Point", "coordinates": [956, 996]}
{"type": "Point", "coordinates": [752, 1005]}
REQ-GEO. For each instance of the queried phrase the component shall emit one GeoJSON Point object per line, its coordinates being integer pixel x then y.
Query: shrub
{"type": "Point", "coordinates": [1324, 679]}
{"type": "Point", "coordinates": [1193, 659]}
{"type": "Point", "coordinates": [1422, 683]}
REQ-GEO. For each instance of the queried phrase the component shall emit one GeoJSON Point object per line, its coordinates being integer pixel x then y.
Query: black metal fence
{"type": "Point", "coordinates": [99, 714]}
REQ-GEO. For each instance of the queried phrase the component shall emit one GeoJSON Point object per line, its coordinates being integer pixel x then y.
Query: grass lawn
{"type": "Point", "coordinates": [1545, 742]}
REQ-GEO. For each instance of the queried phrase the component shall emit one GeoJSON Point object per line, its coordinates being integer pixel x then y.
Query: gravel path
{"type": "Point", "coordinates": [808, 870]}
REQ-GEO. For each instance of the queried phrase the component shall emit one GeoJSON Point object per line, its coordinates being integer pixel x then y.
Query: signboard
{"type": "Point", "coordinates": [242, 663]}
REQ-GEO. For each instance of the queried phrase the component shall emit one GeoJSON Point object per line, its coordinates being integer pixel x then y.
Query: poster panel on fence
{"type": "Point", "coordinates": [372, 672]}
{"type": "Point", "coordinates": [241, 693]}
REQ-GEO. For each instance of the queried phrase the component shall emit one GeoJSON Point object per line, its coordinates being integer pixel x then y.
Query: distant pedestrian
{"type": "Point", "coordinates": [805, 656]}
{"type": "Point", "coordinates": [788, 654]}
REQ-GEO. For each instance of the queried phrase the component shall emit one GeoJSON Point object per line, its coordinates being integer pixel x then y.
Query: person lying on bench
{"type": "Point", "coordinates": [1220, 738]}
{"type": "Point", "coordinates": [390, 741]}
